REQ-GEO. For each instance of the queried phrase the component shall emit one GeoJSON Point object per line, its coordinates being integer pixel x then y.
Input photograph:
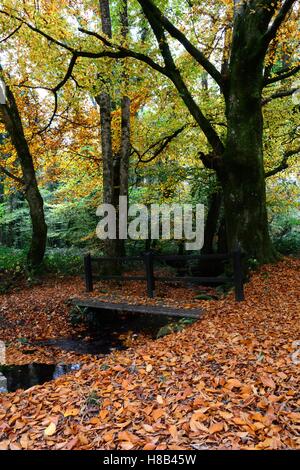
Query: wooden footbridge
{"type": "Point", "coordinates": [97, 304]}
{"type": "Point", "coordinates": [148, 259]}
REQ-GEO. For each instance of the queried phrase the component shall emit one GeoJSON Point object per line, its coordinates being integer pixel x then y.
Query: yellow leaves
{"type": "Point", "coordinates": [149, 368]}
{"type": "Point", "coordinates": [50, 430]}
{"type": "Point", "coordinates": [71, 412]}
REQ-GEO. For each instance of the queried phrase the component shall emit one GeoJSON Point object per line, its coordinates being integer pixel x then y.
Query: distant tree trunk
{"type": "Point", "coordinates": [1, 202]}
{"type": "Point", "coordinates": [222, 245]}
{"type": "Point", "coordinates": [211, 267]}
{"type": "Point", "coordinates": [211, 223]}
{"type": "Point", "coordinates": [115, 167]}
{"type": "Point", "coordinates": [125, 145]}
{"type": "Point", "coordinates": [13, 124]}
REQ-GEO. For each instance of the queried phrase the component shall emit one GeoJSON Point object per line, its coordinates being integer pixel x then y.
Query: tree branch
{"type": "Point", "coordinates": [279, 19]}
{"type": "Point", "coordinates": [284, 162]}
{"type": "Point", "coordinates": [161, 144]}
{"type": "Point", "coordinates": [279, 94]}
{"type": "Point", "coordinates": [122, 54]}
{"type": "Point", "coordinates": [174, 74]}
{"type": "Point", "coordinates": [189, 47]}
{"type": "Point", "coordinates": [11, 34]}
{"type": "Point", "coordinates": [169, 70]}
{"type": "Point", "coordinates": [282, 76]}
{"type": "Point", "coordinates": [11, 175]}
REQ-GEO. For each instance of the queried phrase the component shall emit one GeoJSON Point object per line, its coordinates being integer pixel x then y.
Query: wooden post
{"type": "Point", "coordinates": [88, 273]}
{"type": "Point", "coordinates": [238, 275]}
{"type": "Point", "coordinates": [148, 260]}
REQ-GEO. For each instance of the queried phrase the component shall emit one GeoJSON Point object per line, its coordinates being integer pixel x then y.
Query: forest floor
{"type": "Point", "coordinates": [229, 381]}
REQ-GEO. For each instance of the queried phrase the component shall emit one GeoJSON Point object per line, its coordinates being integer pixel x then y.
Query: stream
{"type": "Point", "coordinates": [103, 335]}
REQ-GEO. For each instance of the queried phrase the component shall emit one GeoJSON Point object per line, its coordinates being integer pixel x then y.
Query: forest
{"type": "Point", "coordinates": [170, 103]}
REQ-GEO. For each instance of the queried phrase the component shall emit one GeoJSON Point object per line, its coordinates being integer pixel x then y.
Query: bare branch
{"type": "Point", "coordinates": [160, 146]}
{"type": "Point", "coordinates": [11, 34]}
{"type": "Point", "coordinates": [11, 175]}
{"type": "Point", "coordinates": [123, 52]}
{"type": "Point", "coordinates": [279, 94]}
{"type": "Point", "coordinates": [281, 76]}
{"type": "Point", "coordinates": [284, 162]}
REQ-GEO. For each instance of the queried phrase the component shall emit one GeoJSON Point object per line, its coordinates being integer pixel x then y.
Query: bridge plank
{"type": "Point", "coordinates": [143, 309]}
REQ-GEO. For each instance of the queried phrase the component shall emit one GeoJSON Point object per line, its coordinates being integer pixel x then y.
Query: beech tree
{"type": "Point", "coordinates": [10, 116]}
{"type": "Point", "coordinates": [238, 159]}
{"type": "Point", "coordinates": [115, 164]}
{"type": "Point", "coordinates": [251, 58]}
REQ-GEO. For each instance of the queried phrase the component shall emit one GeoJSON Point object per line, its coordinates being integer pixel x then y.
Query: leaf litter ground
{"type": "Point", "coordinates": [229, 381]}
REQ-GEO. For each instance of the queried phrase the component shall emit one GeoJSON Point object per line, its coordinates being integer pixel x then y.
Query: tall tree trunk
{"type": "Point", "coordinates": [13, 124]}
{"type": "Point", "coordinates": [125, 145]}
{"type": "Point", "coordinates": [104, 101]}
{"type": "Point", "coordinates": [242, 173]}
{"type": "Point", "coordinates": [115, 167]}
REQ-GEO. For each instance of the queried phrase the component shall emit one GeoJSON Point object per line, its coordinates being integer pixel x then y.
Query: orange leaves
{"type": "Point", "coordinates": [233, 383]}
{"type": "Point", "coordinates": [158, 413]}
{"type": "Point", "coordinates": [225, 415]}
{"type": "Point", "coordinates": [216, 427]}
{"type": "Point", "coordinates": [227, 381]}
{"type": "Point", "coordinates": [127, 440]}
{"type": "Point", "coordinates": [267, 381]}
{"type": "Point", "coordinates": [196, 422]}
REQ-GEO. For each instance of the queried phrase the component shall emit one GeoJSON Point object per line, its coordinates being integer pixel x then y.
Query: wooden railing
{"type": "Point", "coordinates": [237, 279]}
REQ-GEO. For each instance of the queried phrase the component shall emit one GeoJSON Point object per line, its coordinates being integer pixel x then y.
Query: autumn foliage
{"type": "Point", "coordinates": [228, 382]}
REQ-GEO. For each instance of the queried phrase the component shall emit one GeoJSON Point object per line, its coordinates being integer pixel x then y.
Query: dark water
{"type": "Point", "coordinates": [103, 335]}
{"type": "Point", "coordinates": [13, 377]}
{"type": "Point", "coordinates": [95, 346]}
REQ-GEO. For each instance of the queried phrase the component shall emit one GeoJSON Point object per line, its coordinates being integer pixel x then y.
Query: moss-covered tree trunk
{"type": "Point", "coordinates": [242, 170]}
{"type": "Point", "coordinates": [13, 124]}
